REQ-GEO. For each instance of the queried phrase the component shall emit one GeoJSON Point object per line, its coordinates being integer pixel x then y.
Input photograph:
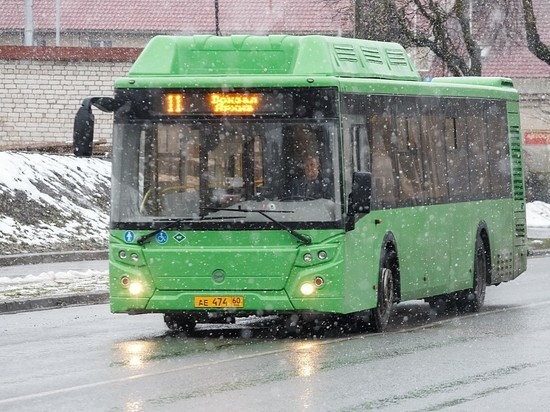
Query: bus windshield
{"type": "Point", "coordinates": [200, 170]}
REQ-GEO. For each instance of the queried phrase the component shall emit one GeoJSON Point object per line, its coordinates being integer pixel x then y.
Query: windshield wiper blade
{"type": "Point", "coordinates": [174, 222]}
{"type": "Point", "coordinates": [306, 240]}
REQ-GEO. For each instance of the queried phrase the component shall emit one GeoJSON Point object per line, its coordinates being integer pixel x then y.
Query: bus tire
{"type": "Point", "coordinates": [180, 322]}
{"type": "Point", "coordinates": [380, 315]}
{"type": "Point", "coordinates": [471, 300]}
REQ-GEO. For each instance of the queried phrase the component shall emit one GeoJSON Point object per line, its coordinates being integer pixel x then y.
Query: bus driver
{"type": "Point", "coordinates": [311, 185]}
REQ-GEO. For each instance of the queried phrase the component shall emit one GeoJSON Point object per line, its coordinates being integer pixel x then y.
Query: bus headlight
{"type": "Point", "coordinates": [307, 289]}
{"type": "Point", "coordinates": [135, 288]}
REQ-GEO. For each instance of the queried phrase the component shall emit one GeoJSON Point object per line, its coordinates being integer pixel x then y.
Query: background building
{"type": "Point", "coordinates": [128, 23]}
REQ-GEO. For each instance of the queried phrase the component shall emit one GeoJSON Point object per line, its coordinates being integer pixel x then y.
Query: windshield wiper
{"type": "Point", "coordinates": [174, 222]}
{"type": "Point", "coordinates": [306, 240]}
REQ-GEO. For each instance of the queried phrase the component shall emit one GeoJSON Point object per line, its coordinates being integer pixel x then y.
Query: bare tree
{"type": "Point", "coordinates": [445, 29]}
{"type": "Point", "coordinates": [535, 45]}
{"type": "Point", "coordinates": [452, 30]}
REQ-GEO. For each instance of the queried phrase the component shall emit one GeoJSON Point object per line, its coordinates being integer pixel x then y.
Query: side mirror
{"type": "Point", "coordinates": [361, 191]}
{"type": "Point", "coordinates": [83, 131]}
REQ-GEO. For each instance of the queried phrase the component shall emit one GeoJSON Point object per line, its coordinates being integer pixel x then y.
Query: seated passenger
{"type": "Point", "coordinates": [311, 185]}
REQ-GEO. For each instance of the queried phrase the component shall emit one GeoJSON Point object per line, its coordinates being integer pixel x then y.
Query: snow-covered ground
{"type": "Point", "coordinates": [56, 203]}
{"type": "Point", "coordinates": [20, 283]}
{"type": "Point", "coordinates": [53, 202]}
{"type": "Point", "coordinates": [538, 215]}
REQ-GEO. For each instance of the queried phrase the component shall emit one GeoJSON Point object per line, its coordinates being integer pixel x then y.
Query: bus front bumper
{"type": "Point", "coordinates": [246, 302]}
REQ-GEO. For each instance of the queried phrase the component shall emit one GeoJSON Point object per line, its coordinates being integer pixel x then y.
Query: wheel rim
{"type": "Point", "coordinates": [386, 293]}
{"type": "Point", "coordinates": [481, 271]}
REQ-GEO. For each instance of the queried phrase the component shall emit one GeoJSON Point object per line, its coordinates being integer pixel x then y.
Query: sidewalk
{"type": "Point", "coordinates": [53, 280]}
{"type": "Point", "coordinates": [52, 257]}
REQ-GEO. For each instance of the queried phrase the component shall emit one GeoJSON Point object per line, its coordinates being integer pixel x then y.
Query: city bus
{"type": "Point", "coordinates": [421, 191]}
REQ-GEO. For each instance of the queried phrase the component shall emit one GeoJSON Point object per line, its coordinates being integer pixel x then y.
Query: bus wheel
{"type": "Point", "coordinates": [471, 300]}
{"type": "Point", "coordinates": [180, 322]}
{"type": "Point", "coordinates": [380, 315]}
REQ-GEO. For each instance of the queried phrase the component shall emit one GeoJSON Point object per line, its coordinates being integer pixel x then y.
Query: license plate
{"type": "Point", "coordinates": [219, 301]}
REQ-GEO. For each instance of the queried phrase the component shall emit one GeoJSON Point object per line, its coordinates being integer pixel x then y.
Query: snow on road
{"type": "Point", "coordinates": [24, 282]}
{"type": "Point", "coordinates": [538, 214]}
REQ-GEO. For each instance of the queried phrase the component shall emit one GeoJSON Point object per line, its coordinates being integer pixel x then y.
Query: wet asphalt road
{"type": "Point", "coordinates": [84, 358]}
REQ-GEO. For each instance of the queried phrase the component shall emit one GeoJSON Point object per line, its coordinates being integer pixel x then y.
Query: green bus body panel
{"type": "Point", "coordinates": [377, 86]}
{"type": "Point", "coordinates": [272, 55]}
{"type": "Point", "coordinates": [435, 246]}
{"type": "Point", "coordinates": [265, 267]}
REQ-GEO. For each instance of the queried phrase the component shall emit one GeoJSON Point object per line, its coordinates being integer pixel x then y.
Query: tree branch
{"type": "Point", "coordinates": [535, 45]}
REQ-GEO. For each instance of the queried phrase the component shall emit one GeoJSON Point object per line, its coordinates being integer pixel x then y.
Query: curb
{"type": "Point", "coordinates": [537, 252]}
{"type": "Point", "coordinates": [53, 257]}
{"type": "Point", "coordinates": [54, 302]}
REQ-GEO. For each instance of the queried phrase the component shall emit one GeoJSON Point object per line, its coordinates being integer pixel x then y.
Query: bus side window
{"type": "Point", "coordinates": [384, 186]}
{"type": "Point", "coordinates": [433, 153]}
{"type": "Point", "coordinates": [476, 132]}
{"type": "Point", "coordinates": [408, 160]}
{"type": "Point", "coordinates": [498, 149]}
{"type": "Point", "coordinates": [361, 149]}
{"type": "Point", "coordinates": [457, 151]}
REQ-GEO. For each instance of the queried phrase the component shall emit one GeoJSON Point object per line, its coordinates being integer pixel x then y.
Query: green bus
{"type": "Point", "coordinates": [417, 189]}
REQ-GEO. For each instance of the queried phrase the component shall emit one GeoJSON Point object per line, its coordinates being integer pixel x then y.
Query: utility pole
{"type": "Point", "coordinates": [58, 22]}
{"type": "Point", "coordinates": [217, 16]}
{"type": "Point", "coordinates": [29, 30]}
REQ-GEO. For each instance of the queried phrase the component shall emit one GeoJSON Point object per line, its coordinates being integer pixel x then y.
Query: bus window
{"type": "Point", "coordinates": [384, 187]}
{"type": "Point", "coordinates": [168, 169]}
{"type": "Point", "coordinates": [457, 151]}
{"type": "Point", "coordinates": [302, 143]}
{"type": "Point", "coordinates": [360, 148]}
{"type": "Point", "coordinates": [476, 131]}
{"type": "Point", "coordinates": [433, 155]}
{"type": "Point", "coordinates": [407, 130]}
{"type": "Point", "coordinates": [499, 158]}
{"type": "Point", "coordinates": [190, 169]}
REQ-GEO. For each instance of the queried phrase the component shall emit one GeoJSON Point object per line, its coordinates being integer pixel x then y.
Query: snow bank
{"type": "Point", "coordinates": [53, 202]}
{"type": "Point", "coordinates": [538, 214]}
{"type": "Point", "coordinates": [51, 284]}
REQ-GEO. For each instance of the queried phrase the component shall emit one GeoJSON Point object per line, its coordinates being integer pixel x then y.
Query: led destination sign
{"type": "Point", "coordinates": [175, 103]}
{"type": "Point", "coordinates": [227, 104]}
{"type": "Point", "coordinates": [234, 103]}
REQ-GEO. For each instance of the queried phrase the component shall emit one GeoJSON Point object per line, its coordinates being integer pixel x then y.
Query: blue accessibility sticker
{"type": "Point", "coordinates": [129, 236]}
{"type": "Point", "coordinates": [162, 237]}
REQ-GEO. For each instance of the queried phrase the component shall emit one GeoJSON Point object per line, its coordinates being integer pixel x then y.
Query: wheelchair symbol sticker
{"type": "Point", "coordinates": [129, 236]}
{"type": "Point", "coordinates": [162, 238]}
